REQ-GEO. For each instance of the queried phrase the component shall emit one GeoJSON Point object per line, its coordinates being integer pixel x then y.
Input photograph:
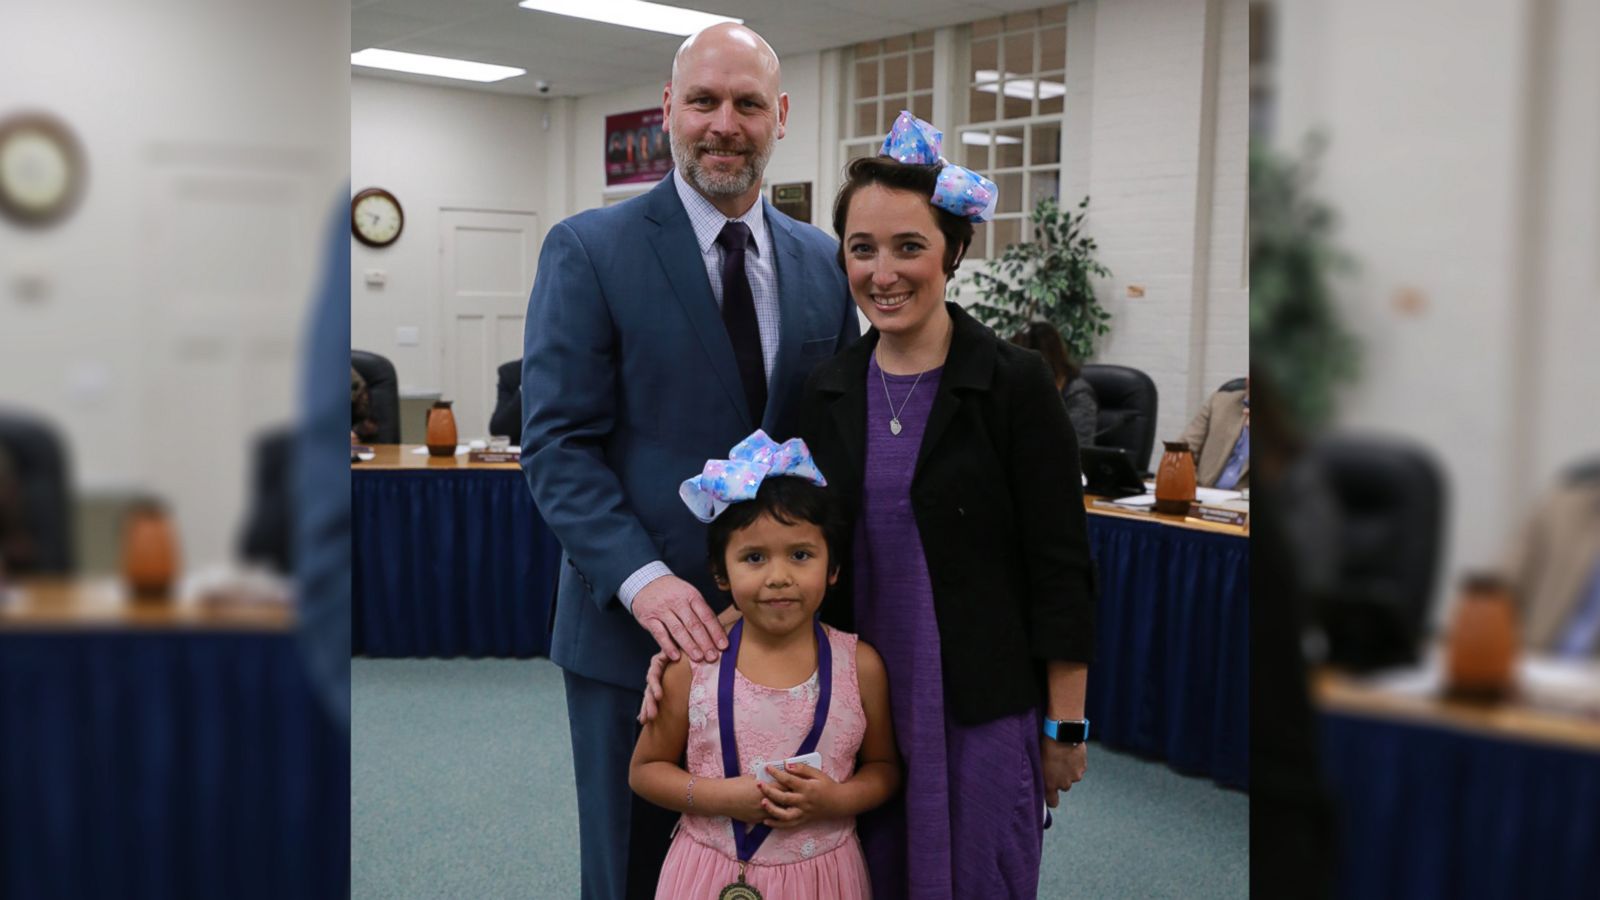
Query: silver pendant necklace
{"type": "Point", "coordinates": [894, 414]}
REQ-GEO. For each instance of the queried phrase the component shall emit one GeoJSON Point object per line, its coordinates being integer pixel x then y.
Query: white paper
{"type": "Point", "coordinates": [1215, 495]}
{"type": "Point", "coordinates": [1137, 501]}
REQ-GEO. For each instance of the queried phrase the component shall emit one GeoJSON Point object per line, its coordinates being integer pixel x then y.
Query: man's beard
{"type": "Point", "coordinates": [721, 184]}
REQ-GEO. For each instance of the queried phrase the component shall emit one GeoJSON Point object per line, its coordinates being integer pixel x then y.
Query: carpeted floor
{"type": "Point", "coordinates": [461, 786]}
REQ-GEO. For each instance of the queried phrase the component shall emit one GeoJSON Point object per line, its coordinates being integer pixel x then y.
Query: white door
{"type": "Point", "coordinates": [487, 262]}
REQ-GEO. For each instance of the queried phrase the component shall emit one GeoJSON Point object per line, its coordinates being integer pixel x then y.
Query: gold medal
{"type": "Point", "coordinates": [739, 890]}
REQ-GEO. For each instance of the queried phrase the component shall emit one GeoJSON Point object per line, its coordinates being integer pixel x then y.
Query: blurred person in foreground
{"type": "Point", "coordinates": [661, 332]}
{"type": "Point", "coordinates": [1219, 436]}
{"type": "Point", "coordinates": [1083, 407]}
{"type": "Point", "coordinates": [1555, 567]}
{"type": "Point", "coordinates": [1291, 821]}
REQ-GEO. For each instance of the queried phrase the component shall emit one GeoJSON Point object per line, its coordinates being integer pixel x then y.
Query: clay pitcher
{"type": "Point", "coordinates": [149, 552]}
{"type": "Point", "coordinates": [441, 429]}
{"type": "Point", "coordinates": [1481, 652]}
{"type": "Point", "coordinates": [1175, 479]}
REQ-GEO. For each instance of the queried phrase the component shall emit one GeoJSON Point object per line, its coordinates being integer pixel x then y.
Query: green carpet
{"type": "Point", "coordinates": [461, 786]}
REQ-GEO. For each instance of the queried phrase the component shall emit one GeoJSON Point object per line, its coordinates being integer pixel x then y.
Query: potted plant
{"type": "Point", "coordinates": [1047, 278]}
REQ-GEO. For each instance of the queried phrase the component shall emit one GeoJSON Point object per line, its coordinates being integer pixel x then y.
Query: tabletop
{"type": "Point", "coordinates": [102, 604]}
{"type": "Point", "coordinates": [402, 457]}
{"type": "Point", "coordinates": [1336, 692]}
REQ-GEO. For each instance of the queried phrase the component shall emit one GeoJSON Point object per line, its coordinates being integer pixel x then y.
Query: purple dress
{"type": "Point", "coordinates": [969, 822]}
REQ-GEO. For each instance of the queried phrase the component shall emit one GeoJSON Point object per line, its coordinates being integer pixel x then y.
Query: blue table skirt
{"type": "Point", "coordinates": [1429, 812]}
{"type": "Point", "coordinates": [449, 563]}
{"type": "Point", "coordinates": [1172, 674]}
{"type": "Point", "coordinates": [166, 765]}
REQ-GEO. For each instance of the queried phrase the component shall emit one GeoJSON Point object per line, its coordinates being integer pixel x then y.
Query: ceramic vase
{"type": "Point", "coordinates": [1175, 479]}
{"type": "Point", "coordinates": [441, 429]}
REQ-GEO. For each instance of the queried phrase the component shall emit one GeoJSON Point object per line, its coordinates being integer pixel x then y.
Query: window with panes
{"type": "Point", "coordinates": [1011, 88]}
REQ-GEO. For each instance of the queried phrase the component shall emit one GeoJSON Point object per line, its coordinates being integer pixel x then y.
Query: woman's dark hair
{"type": "Point", "coordinates": [899, 176]}
{"type": "Point", "coordinates": [790, 501]}
{"type": "Point", "coordinates": [1043, 337]}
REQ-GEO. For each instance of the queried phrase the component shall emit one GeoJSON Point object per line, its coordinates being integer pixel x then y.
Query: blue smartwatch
{"type": "Point", "coordinates": [1067, 731]}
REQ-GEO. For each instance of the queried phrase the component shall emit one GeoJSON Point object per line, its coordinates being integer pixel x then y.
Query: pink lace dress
{"type": "Point", "coordinates": [822, 860]}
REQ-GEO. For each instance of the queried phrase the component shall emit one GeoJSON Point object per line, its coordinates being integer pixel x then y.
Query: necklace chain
{"type": "Point", "coordinates": [894, 415]}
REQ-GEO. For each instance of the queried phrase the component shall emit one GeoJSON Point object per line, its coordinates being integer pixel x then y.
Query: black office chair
{"type": "Point", "coordinates": [1127, 418]}
{"type": "Point", "coordinates": [268, 536]}
{"type": "Point", "coordinates": [1390, 497]}
{"type": "Point", "coordinates": [44, 475]}
{"type": "Point", "coordinates": [383, 392]}
{"type": "Point", "coordinates": [507, 416]}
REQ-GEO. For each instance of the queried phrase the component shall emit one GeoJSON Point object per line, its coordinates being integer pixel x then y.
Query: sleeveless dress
{"type": "Point", "coordinates": [969, 822]}
{"type": "Point", "coordinates": [821, 860]}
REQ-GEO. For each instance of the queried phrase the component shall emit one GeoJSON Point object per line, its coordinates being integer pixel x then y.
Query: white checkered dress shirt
{"type": "Point", "coordinates": [759, 268]}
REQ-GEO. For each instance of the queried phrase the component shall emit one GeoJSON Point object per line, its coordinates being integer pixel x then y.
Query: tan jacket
{"type": "Point", "coordinates": [1212, 434]}
{"type": "Point", "coordinates": [1553, 559]}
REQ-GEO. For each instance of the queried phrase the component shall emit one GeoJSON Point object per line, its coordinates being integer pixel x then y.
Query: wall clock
{"type": "Point", "coordinates": [41, 169]}
{"type": "Point", "coordinates": [376, 218]}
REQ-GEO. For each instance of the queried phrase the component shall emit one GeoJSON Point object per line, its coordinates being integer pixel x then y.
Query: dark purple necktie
{"type": "Point", "coordinates": [739, 316]}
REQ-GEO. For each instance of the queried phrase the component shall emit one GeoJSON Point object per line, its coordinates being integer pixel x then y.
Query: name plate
{"type": "Point", "coordinates": [1234, 517]}
{"type": "Point", "coordinates": [493, 456]}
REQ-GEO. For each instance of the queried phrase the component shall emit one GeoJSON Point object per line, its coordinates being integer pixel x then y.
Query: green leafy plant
{"type": "Point", "coordinates": [1297, 340]}
{"type": "Point", "coordinates": [1047, 278]}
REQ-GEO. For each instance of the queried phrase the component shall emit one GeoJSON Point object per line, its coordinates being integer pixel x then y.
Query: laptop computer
{"type": "Point", "coordinates": [1110, 472]}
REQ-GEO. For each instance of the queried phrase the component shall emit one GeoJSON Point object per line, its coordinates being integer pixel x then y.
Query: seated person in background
{"type": "Point", "coordinates": [362, 426]}
{"type": "Point", "coordinates": [1082, 405]}
{"type": "Point", "coordinates": [507, 416]}
{"type": "Point", "coordinates": [1219, 437]}
{"type": "Point", "coordinates": [16, 544]}
{"type": "Point", "coordinates": [1555, 569]}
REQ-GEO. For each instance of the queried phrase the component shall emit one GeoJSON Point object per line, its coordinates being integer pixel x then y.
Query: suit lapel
{"type": "Point", "coordinates": [678, 252]}
{"type": "Point", "coordinates": [791, 288]}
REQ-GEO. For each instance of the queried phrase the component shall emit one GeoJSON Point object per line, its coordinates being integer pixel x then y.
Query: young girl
{"type": "Point", "coordinates": [786, 686]}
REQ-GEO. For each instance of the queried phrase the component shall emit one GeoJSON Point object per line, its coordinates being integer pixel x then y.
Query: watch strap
{"type": "Point", "coordinates": [1067, 731]}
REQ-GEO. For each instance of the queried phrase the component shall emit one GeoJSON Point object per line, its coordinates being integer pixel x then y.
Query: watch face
{"type": "Point", "coordinates": [376, 217]}
{"type": "Point", "coordinates": [39, 169]}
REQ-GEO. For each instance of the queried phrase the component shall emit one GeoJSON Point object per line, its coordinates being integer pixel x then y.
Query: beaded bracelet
{"type": "Point", "coordinates": [689, 794]}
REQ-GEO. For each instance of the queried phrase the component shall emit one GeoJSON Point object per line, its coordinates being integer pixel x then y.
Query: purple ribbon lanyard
{"type": "Point", "coordinates": [748, 842]}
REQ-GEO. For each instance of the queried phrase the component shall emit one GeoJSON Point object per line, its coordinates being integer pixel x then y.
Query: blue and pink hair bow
{"type": "Point", "coordinates": [960, 190]}
{"type": "Point", "coordinates": [733, 480]}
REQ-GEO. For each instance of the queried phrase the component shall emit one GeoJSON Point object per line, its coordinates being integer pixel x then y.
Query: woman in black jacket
{"type": "Point", "coordinates": [951, 452]}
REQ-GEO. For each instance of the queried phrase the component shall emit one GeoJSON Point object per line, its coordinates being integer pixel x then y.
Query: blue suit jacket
{"type": "Point", "coordinates": [629, 385]}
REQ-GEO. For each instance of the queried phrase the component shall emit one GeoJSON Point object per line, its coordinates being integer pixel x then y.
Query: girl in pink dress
{"type": "Point", "coordinates": [786, 686]}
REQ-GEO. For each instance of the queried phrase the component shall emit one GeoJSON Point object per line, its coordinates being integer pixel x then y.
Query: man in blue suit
{"type": "Point", "coordinates": [660, 332]}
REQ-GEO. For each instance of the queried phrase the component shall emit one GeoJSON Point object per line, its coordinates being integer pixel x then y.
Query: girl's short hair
{"type": "Point", "coordinates": [790, 501]}
{"type": "Point", "coordinates": [899, 176]}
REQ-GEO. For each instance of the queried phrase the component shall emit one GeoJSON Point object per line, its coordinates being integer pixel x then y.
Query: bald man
{"type": "Point", "coordinates": [660, 333]}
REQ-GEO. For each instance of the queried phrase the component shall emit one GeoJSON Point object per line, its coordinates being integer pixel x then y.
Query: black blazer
{"type": "Point", "coordinates": [998, 501]}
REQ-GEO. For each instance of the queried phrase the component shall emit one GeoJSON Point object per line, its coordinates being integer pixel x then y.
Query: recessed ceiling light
{"type": "Point", "coordinates": [632, 13]}
{"type": "Point", "coordinates": [440, 66]}
{"type": "Point", "coordinates": [982, 139]}
{"type": "Point", "coordinates": [1020, 88]}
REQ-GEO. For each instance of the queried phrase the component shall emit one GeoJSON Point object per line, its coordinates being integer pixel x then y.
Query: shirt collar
{"type": "Point", "coordinates": [708, 220]}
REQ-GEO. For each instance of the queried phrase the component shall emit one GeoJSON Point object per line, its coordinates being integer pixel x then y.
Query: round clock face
{"type": "Point", "coordinates": [39, 169]}
{"type": "Point", "coordinates": [376, 217]}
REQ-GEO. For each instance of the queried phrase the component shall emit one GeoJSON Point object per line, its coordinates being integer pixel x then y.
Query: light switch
{"type": "Point", "coordinates": [407, 335]}
{"type": "Point", "coordinates": [377, 278]}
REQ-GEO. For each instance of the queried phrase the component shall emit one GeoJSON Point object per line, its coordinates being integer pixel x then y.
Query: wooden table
{"type": "Point", "coordinates": [163, 750]}
{"type": "Point", "coordinates": [403, 457]}
{"type": "Point", "coordinates": [1439, 798]}
{"type": "Point", "coordinates": [1171, 677]}
{"type": "Point", "coordinates": [1512, 721]}
{"type": "Point", "coordinates": [449, 558]}
{"type": "Point", "coordinates": [1164, 518]}
{"type": "Point", "coordinates": [101, 604]}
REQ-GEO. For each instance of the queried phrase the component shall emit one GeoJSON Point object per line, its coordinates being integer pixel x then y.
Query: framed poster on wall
{"type": "Point", "coordinates": [637, 150]}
